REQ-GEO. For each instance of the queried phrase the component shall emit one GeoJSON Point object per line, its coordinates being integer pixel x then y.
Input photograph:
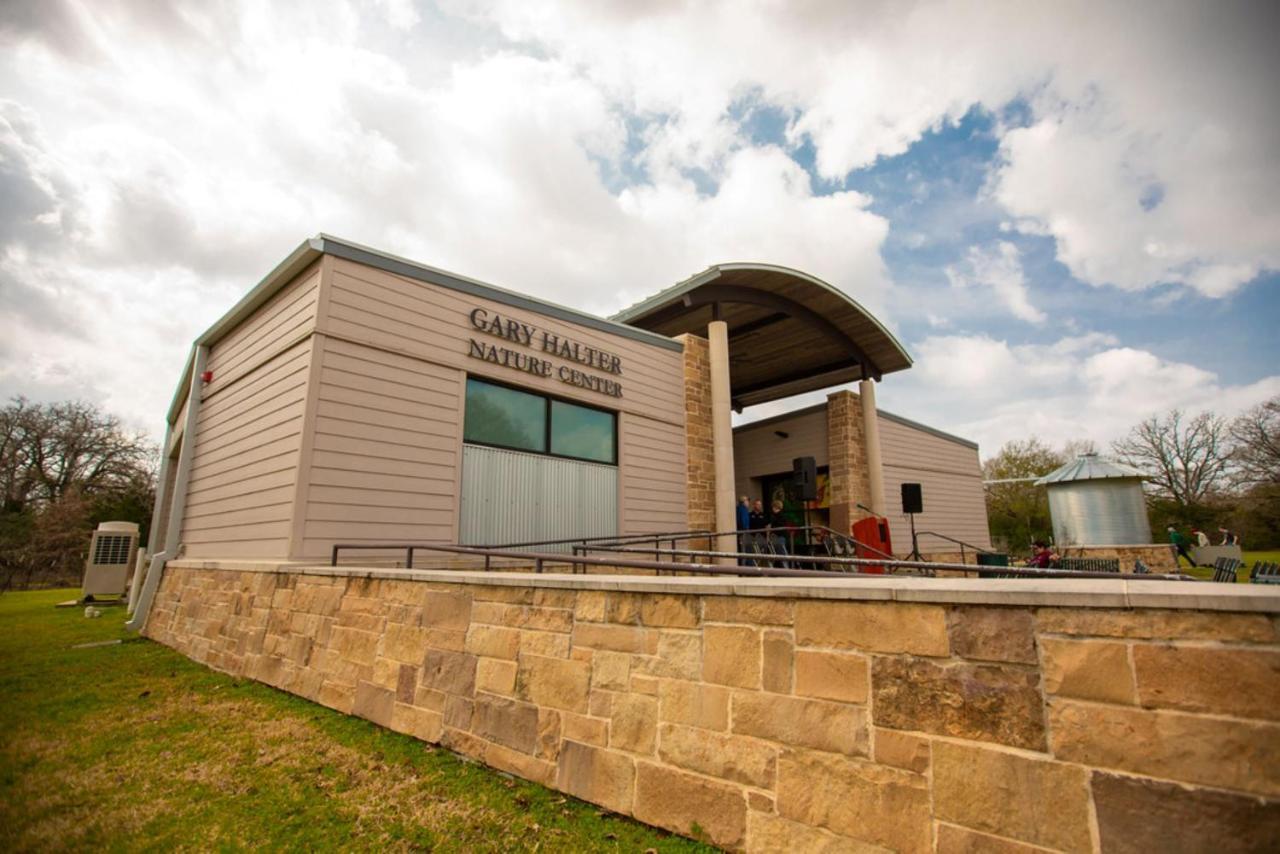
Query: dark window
{"type": "Point", "coordinates": [509, 418]}
{"type": "Point", "coordinates": [586, 434]}
{"type": "Point", "coordinates": [502, 416]}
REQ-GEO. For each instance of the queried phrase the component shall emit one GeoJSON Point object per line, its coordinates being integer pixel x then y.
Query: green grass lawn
{"type": "Point", "coordinates": [1242, 574]}
{"type": "Point", "coordinates": [134, 747]}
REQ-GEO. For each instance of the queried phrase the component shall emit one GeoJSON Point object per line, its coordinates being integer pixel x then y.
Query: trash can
{"type": "Point", "coordinates": [992, 559]}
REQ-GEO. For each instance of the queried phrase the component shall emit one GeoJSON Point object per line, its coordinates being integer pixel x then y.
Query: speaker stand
{"type": "Point", "coordinates": [915, 544]}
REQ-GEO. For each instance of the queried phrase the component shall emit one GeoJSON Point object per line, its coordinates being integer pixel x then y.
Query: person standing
{"type": "Point", "coordinates": [1180, 549]}
{"type": "Point", "coordinates": [744, 514]}
{"type": "Point", "coordinates": [1202, 539]}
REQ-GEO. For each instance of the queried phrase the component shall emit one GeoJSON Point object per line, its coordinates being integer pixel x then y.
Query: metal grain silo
{"type": "Point", "coordinates": [1095, 501]}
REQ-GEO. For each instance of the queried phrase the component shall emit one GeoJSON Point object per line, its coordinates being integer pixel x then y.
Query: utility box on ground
{"type": "Point", "coordinates": [111, 555]}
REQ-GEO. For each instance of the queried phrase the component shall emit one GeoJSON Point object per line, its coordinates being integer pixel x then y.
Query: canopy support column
{"type": "Point", "coordinates": [871, 438]}
{"type": "Point", "coordinates": [722, 434]}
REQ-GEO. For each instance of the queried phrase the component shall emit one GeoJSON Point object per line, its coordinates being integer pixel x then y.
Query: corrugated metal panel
{"type": "Point", "coordinates": [1089, 467]}
{"type": "Point", "coordinates": [1107, 512]}
{"type": "Point", "coordinates": [513, 497]}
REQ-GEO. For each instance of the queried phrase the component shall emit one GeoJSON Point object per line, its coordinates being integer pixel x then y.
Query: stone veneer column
{"type": "Point", "coordinates": [722, 433]}
{"type": "Point", "coordinates": [847, 464]}
{"type": "Point", "coordinates": [871, 432]}
{"type": "Point", "coordinates": [700, 452]}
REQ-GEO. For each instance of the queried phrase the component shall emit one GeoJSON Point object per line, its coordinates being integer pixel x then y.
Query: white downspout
{"type": "Point", "coordinates": [178, 505]}
{"type": "Point", "coordinates": [162, 497]}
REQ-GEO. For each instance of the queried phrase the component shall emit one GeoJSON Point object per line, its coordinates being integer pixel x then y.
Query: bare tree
{"type": "Point", "coordinates": [1256, 434]}
{"type": "Point", "coordinates": [1186, 458]}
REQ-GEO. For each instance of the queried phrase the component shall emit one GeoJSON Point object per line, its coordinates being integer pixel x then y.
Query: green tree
{"type": "Point", "coordinates": [1017, 509]}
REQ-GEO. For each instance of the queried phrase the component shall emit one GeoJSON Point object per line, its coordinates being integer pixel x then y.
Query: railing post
{"type": "Point", "coordinates": [333, 561]}
{"type": "Point", "coordinates": [486, 563]}
{"type": "Point", "coordinates": [537, 565]}
{"type": "Point", "coordinates": [409, 559]}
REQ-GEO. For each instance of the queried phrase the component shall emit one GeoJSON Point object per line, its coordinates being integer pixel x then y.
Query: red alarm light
{"type": "Point", "coordinates": [206, 377]}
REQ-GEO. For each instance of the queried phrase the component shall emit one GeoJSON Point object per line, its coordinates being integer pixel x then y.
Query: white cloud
{"type": "Point", "coordinates": [1078, 387]}
{"type": "Point", "coordinates": [999, 268]}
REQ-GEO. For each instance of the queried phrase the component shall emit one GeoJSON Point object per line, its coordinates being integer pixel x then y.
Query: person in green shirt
{"type": "Point", "coordinates": [1180, 549]}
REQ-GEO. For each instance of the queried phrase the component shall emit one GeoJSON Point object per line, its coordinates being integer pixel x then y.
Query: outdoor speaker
{"type": "Point", "coordinates": [804, 476]}
{"type": "Point", "coordinates": [912, 498]}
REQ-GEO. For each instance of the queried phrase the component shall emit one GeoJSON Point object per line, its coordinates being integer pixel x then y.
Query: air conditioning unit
{"type": "Point", "coordinates": [111, 556]}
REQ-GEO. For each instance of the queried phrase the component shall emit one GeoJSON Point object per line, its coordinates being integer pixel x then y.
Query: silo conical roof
{"type": "Point", "coordinates": [1090, 467]}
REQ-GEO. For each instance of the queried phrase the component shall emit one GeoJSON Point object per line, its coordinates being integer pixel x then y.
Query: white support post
{"type": "Point", "coordinates": [722, 435]}
{"type": "Point", "coordinates": [871, 434]}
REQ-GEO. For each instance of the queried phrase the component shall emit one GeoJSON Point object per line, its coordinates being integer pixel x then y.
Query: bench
{"type": "Point", "coordinates": [1265, 573]}
{"type": "Point", "coordinates": [1090, 564]}
{"type": "Point", "coordinates": [1224, 570]}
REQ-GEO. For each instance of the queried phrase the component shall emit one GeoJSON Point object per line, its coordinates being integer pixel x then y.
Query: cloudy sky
{"type": "Point", "coordinates": [1069, 213]}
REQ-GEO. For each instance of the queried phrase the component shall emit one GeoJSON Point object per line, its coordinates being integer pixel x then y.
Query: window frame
{"type": "Point", "coordinates": [546, 421]}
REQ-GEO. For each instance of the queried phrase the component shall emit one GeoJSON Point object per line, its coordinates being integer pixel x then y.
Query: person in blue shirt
{"type": "Point", "coordinates": [744, 514]}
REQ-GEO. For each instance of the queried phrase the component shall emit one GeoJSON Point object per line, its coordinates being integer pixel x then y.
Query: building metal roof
{"type": "Point", "coordinates": [789, 332]}
{"type": "Point", "coordinates": [821, 407]}
{"type": "Point", "coordinates": [1090, 467]}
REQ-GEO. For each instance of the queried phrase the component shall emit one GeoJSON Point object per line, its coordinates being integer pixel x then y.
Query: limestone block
{"type": "Point", "coordinates": [877, 626]}
{"type": "Point", "coordinates": [1140, 815]}
{"type": "Point", "coordinates": [590, 606]}
{"type": "Point", "coordinates": [883, 806]}
{"type": "Point", "coordinates": [647, 685]}
{"type": "Point", "coordinates": [552, 644]}
{"type": "Point", "coordinates": [355, 645]}
{"type": "Point", "coordinates": [506, 721]}
{"type": "Point", "coordinates": [594, 731]}
{"type": "Point", "coordinates": [728, 757]}
{"type": "Point", "coordinates": [340, 696]}
{"type": "Point", "coordinates": [694, 704]}
{"type": "Point", "coordinates": [374, 703]}
{"type": "Point", "coordinates": [496, 675]}
{"type": "Point", "coordinates": [731, 655]}
{"type": "Point", "coordinates": [669, 611]}
{"type": "Point", "coordinates": [554, 682]}
{"type": "Point", "coordinates": [520, 764]}
{"type": "Point", "coordinates": [419, 723]}
{"type": "Point", "coordinates": [779, 661]}
{"type": "Point", "coordinates": [676, 800]}
{"type": "Point", "coordinates": [1242, 755]}
{"type": "Point", "coordinates": [406, 683]}
{"type": "Point", "coordinates": [1224, 681]}
{"type": "Point", "coordinates": [510, 595]}
{"type": "Point", "coordinates": [451, 672]}
{"type": "Point", "coordinates": [493, 641]}
{"type": "Point", "coordinates": [1148, 623]}
{"type": "Point", "coordinates": [833, 727]}
{"type": "Point", "coordinates": [429, 698]}
{"type": "Point", "coordinates": [753, 610]}
{"type": "Point", "coordinates": [548, 597]}
{"type": "Point", "coordinates": [983, 702]}
{"type": "Point", "coordinates": [1088, 670]}
{"type": "Point", "coordinates": [961, 840]}
{"type": "Point", "coordinates": [760, 802]}
{"type": "Point", "coordinates": [832, 675]}
{"type": "Point", "coordinates": [634, 724]}
{"type": "Point", "coordinates": [599, 776]}
{"type": "Point", "coordinates": [600, 704]}
{"type": "Point", "coordinates": [767, 834]}
{"type": "Point", "coordinates": [631, 639]}
{"type": "Point", "coordinates": [995, 791]}
{"type": "Point", "coordinates": [611, 670]}
{"type": "Point", "coordinates": [679, 656]}
{"type": "Point", "coordinates": [447, 639]}
{"type": "Point", "coordinates": [451, 611]}
{"type": "Point", "coordinates": [993, 634]}
{"type": "Point", "coordinates": [458, 712]}
{"type": "Point", "coordinates": [526, 617]}
{"type": "Point", "coordinates": [901, 750]}
{"type": "Point", "coordinates": [404, 643]}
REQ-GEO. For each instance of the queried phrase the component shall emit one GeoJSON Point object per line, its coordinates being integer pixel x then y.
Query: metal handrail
{"type": "Point", "coordinates": [961, 543]}
{"type": "Point", "coordinates": [607, 538]}
{"type": "Point", "coordinates": [789, 530]}
{"type": "Point", "coordinates": [541, 559]}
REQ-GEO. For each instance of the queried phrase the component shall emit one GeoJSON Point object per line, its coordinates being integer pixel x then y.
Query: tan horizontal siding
{"type": "Point", "coordinates": [758, 451]}
{"type": "Point", "coordinates": [239, 502]}
{"type": "Point", "coordinates": [653, 476]}
{"type": "Point", "coordinates": [950, 477]}
{"type": "Point", "coordinates": [287, 316]}
{"type": "Point", "coordinates": [431, 322]}
{"type": "Point", "coordinates": [384, 456]}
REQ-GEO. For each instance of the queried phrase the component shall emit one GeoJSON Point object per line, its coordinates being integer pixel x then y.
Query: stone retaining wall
{"type": "Point", "coordinates": [899, 714]}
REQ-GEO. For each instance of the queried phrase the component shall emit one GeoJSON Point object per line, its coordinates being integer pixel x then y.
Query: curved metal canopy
{"type": "Point", "coordinates": [789, 332]}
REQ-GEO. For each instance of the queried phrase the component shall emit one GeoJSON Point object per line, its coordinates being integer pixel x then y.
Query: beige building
{"type": "Point", "coordinates": [353, 397]}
